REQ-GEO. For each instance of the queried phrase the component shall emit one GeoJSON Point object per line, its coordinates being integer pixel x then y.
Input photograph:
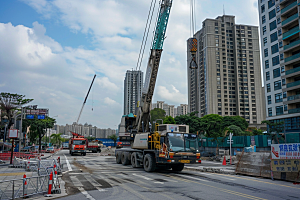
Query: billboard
{"type": "Point", "coordinates": [286, 165]}
{"type": "Point", "coordinates": [285, 151]}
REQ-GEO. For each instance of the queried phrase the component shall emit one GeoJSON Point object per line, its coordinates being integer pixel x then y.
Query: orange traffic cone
{"type": "Point", "coordinates": [224, 161]}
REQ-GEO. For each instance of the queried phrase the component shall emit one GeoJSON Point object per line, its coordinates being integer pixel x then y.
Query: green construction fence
{"type": "Point", "coordinates": [245, 141]}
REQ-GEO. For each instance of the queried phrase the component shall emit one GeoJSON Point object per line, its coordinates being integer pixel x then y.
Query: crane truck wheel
{"type": "Point", "coordinates": [178, 167]}
{"type": "Point", "coordinates": [133, 160]}
{"type": "Point", "coordinates": [149, 162]}
{"type": "Point", "coordinates": [124, 158]}
{"type": "Point", "coordinates": [118, 158]}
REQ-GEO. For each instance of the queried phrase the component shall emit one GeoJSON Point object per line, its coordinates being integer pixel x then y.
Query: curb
{"type": "Point", "coordinates": [211, 170]}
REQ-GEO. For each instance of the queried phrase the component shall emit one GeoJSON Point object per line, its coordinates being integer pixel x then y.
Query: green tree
{"type": "Point", "coordinates": [9, 104]}
{"type": "Point", "coordinates": [189, 119]}
{"type": "Point", "coordinates": [38, 127]}
{"type": "Point", "coordinates": [114, 138]}
{"type": "Point", "coordinates": [274, 129]}
{"type": "Point", "coordinates": [157, 113]}
{"type": "Point", "coordinates": [169, 120]}
{"type": "Point", "coordinates": [236, 130]}
{"type": "Point", "coordinates": [57, 138]}
{"type": "Point", "coordinates": [257, 132]}
{"type": "Point", "coordinates": [234, 120]}
{"type": "Point", "coordinates": [211, 124]}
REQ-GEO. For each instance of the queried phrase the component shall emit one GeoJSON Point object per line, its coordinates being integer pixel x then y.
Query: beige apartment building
{"type": "Point", "coordinates": [228, 78]}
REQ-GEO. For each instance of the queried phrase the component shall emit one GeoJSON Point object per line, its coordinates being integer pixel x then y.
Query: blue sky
{"type": "Point", "coordinates": [50, 51]}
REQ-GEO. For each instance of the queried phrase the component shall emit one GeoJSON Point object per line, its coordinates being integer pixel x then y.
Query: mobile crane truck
{"type": "Point", "coordinates": [169, 146]}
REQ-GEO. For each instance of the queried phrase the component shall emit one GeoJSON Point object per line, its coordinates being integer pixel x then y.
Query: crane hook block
{"type": "Point", "coordinates": [192, 45]}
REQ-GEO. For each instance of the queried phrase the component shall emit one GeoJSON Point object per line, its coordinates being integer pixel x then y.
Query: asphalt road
{"type": "Point", "coordinates": [99, 177]}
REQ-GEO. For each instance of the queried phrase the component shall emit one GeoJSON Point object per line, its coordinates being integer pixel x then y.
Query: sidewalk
{"type": "Point", "coordinates": [211, 166]}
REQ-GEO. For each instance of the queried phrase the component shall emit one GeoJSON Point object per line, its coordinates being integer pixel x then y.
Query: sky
{"type": "Point", "coordinates": [51, 49]}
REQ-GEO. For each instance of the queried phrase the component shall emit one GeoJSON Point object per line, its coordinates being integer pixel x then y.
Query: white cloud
{"type": "Point", "coordinates": [172, 97]}
{"type": "Point", "coordinates": [110, 101]}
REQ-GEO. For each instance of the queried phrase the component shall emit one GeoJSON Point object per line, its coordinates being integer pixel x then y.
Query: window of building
{"type": "Point", "coordinates": [263, 8]}
{"type": "Point", "coordinates": [280, 44]}
{"type": "Point", "coordinates": [266, 64]}
{"type": "Point", "coordinates": [268, 87]}
{"type": "Point", "coordinates": [266, 52]}
{"type": "Point", "coordinates": [279, 110]}
{"type": "Point", "coordinates": [277, 8]}
{"type": "Point", "coordinates": [285, 108]}
{"type": "Point", "coordinates": [278, 20]}
{"type": "Point", "coordinates": [282, 69]}
{"type": "Point", "coordinates": [279, 32]}
{"type": "Point", "coordinates": [274, 48]}
{"type": "Point", "coordinates": [273, 25]}
{"type": "Point", "coordinates": [281, 56]}
{"type": "Point", "coordinates": [274, 37]}
{"type": "Point", "coordinates": [270, 112]}
{"type": "Point", "coordinates": [277, 85]}
{"type": "Point", "coordinates": [278, 98]}
{"type": "Point", "coordinates": [284, 95]}
{"type": "Point", "coordinates": [275, 60]}
{"type": "Point", "coordinates": [283, 81]}
{"type": "Point", "coordinates": [276, 72]}
{"type": "Point", "coordinates": [263, 19]}
{"type": "Point", "coordinates": [264, 30]}
{"type": "Point", "coordinates": [272, 14]}
{"type": "Point", "coordinates": [269, 99]}
{"type": "Point", "coordinates": [271, 3]}
{"type": "Point", "coordinates": [265, 41]}
{"type": "Point", "coordinates": [267, 76]}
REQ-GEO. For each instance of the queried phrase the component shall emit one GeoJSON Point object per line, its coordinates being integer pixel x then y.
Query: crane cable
{"type": "Point", "coordinates": [147, 35]}
{"type": "Point", "coordinates": [140, 58]}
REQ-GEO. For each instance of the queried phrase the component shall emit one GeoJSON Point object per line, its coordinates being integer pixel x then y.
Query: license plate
{"type": "Point", "coordinates": [184, 161]}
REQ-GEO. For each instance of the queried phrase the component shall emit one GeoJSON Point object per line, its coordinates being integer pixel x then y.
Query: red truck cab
{"type": "Point", "coordinates": [77, 145]}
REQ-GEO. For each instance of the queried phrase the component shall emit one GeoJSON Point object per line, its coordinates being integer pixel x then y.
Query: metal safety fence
{"type": "Point", "coordinates": [47, 181]}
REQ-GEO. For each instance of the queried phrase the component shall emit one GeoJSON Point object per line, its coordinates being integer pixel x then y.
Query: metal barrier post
{"type": "Point", "coordinates": [13, 190]}
{"type": "Point", "coordinates": [50, 184]}
{"type": "Point", "coordinates": [24, 186]}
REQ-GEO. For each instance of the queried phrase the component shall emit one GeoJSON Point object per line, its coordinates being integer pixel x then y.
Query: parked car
{"type": "Point", "coordinates": [50, 150]}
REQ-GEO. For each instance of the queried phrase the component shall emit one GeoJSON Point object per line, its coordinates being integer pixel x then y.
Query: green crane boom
{"type": "Point", "coordinates": [143, 117]}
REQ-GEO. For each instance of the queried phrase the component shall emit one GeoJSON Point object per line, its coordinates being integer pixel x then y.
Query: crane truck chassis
{"type": "Point", "coordinates": [169, 147]}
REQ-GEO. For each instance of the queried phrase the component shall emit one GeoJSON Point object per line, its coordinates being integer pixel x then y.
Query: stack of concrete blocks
{"type": "Point", "coordinates": [259, 164]}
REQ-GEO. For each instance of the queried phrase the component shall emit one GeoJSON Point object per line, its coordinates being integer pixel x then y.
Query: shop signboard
{"type": "Point", "coordinates": [285, 151]}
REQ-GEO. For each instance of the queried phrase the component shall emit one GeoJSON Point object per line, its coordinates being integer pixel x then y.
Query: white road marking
{"type": "Point", "coordinates": [75, 181]}
{"type": "Point", "coordinates": [193, 178]}
{"type": "Point", "coordinates": [100, 189]}
{"type": "Point", "coordinates": [149, 179]}
{"type": "Point", "coordinates": [86, 194]}
{"type": "Point", "coordinates": [68, 164]}
{"type": "Point", "coordinates": [144, 177]}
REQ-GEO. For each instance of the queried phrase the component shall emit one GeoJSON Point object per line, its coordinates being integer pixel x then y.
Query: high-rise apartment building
{"type": "Point", "coordinates": [171, 110]}
{"type": "Point", "coordinates": [228, 78]}
{"type": "Point", "coordinates": [133, 85]}
{"type": "Point", "coordinates": [182, 109]}
{"type": "Point", "coordinates": [280, 49]}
